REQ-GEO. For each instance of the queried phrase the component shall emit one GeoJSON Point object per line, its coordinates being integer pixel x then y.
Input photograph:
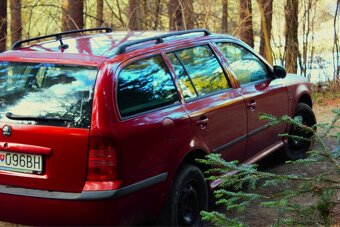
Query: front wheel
{"type": "Point", "coordinates": [188, 197]}
{"type": "Point", "coordinates": [297, 148]}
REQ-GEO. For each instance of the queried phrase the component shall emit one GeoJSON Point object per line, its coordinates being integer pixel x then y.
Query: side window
{"type": "Point", "coordinates": [198, 70]}
{"type": "Point", "coordinates": [184, 80]}
{"type": "Point", "coordinates": [145, 85]}
{"type": "Point", "coordinates": [246, 66]}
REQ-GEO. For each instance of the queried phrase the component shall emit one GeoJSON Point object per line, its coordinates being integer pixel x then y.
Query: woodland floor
{"type": "Point", "coordinates": [258, 216]}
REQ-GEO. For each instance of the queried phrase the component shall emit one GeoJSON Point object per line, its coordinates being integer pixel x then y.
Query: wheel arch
{"type": "Point", "coordinates": [191, 157]}
{"type": "Point", "coordinates": [301, 97]}
{"type": "Point", "coordinates": [305, 98]}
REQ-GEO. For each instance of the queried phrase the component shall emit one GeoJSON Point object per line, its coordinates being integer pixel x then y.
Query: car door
{"type": "Point", "coordinates": [216, 110]}
{"type": "Point", "coordinates": [153, 124]}
{"type": "Point", "coordinates": [262, 93]}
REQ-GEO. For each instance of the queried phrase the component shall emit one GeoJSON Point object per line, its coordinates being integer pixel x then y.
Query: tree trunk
{"type": "Point", "coordinates": [307, 21]}
{"type": "Point", "coordinates": [100, 8]}
{"type": "Point", "coordinates": [16, 26]}
{"type": "Point", "coordinates": [336, 48]}
{"type": "Point", "coordinates": [225, 16]}
{"type": "Point", "coordinates": [72, 14]}
{"type": "Point", "coordinates": [64, 15]}
{"type": "Point", "coordinates": [181, 14]}
{"type": "Point", "coordinates": [3, 24]}
{"type": "Point", "coordinates": [136, 15]}
{"type": "Point", "coordinates": [291, 35]}
{"type": "Point", "coordinates": [266, 12]}
{"type": "Point", "coordinates": [246, 18]}
{"type": "Point", "coordinates": [157, 15]}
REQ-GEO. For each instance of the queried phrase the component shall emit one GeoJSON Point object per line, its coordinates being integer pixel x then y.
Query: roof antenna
{"type": "Point", "coordinates": [62, 46]}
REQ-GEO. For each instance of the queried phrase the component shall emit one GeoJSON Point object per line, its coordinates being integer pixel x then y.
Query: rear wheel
{"type": "Point", "coordinates": [188, 197]}
{"type": "Point", "coordinates": [297, 148]}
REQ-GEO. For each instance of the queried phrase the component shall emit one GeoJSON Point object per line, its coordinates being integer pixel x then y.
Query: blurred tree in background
{"type": "Point", "coordinates": [300, 34]}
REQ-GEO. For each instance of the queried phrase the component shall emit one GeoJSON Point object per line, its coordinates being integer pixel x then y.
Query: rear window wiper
{"type": "Point", "coordinates": [34, 118]}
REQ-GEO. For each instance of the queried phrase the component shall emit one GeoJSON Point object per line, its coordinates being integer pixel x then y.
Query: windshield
{"type": "Point", "coordinates": [49, 94]}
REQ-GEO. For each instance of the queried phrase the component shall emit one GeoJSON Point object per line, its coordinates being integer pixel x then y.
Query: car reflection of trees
{"type": "Point", "coordinates": [77, 112]}
{"type": "Point", "coordinates": [151, 89]}
{"type": "Point", "coordinates": [11, 95]}
{"type": "Point", "coordinates": [203, 68]}
{"type": "Point", "coordinates": [50, 81]}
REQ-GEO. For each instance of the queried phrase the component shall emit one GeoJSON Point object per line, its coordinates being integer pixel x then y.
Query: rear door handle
{"type": "Point", "coordinates": [251, 105]}
{"type": "Point", "coordinates": [202, 122]}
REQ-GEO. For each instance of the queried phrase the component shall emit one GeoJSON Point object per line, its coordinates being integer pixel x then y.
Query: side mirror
{"type": "Point", "coordinates": [279, 71]}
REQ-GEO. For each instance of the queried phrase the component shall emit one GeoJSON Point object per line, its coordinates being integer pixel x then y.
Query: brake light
{"type": "Point", "coordinates": [102, 164]}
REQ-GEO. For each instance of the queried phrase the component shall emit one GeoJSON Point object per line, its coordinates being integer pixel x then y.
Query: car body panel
{"type": "Point", "coordinates": [64, 166]}
{"type": "Point", "coordinates": [57, 58]}
{"type": "Point", "coordinates": [297, 87]}
{"type": "Point", "coordinates": [223, 111]}
{"type": "Point", "coordinates": [269, 97]}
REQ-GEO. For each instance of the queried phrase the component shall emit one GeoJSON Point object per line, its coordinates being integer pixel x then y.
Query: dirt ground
{"type": "Point", "coordinates": [255, 216]}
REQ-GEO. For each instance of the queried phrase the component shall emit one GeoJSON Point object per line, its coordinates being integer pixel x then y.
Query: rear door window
{"type": "Point", "coordinates": [185, 81]}
{"type": "Point", "coordinates": [198, 70]}
{"type": "Point", "coordinates": [145, 85]}
{"type": "Point", "coordinates": [48, 94]}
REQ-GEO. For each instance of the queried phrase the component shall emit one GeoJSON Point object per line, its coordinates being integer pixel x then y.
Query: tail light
{"type": "Point", "coordinates": [102, 165]}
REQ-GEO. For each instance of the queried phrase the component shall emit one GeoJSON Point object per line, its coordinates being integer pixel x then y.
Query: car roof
{"type": "Point", "coordinates": [100, 47]}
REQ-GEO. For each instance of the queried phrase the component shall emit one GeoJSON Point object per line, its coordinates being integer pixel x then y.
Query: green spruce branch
{"type": "Point", "coordinates": [234, 178]}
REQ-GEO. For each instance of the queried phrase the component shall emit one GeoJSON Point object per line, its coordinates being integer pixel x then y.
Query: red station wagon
{"type": "Point", "coordinates": [104, 128]}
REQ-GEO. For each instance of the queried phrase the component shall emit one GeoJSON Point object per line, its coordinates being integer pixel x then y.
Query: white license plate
{"type": "Point", "coordinates": [23, 163]}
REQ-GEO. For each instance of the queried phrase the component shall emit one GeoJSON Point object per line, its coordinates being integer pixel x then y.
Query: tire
{"type": "Point", "coordinates": [297, 149]}
{"type": "Point", "coordinates": [189, 196]}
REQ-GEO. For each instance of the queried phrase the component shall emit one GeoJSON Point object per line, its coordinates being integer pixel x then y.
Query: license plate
{"type": "Point", "coordinates": [23, 163]}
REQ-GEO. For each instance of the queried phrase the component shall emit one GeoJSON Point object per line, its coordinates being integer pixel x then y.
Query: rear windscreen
{"type": "Point", "coordinates": [46, 94]}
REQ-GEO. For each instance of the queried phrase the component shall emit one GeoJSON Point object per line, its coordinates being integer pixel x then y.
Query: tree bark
{"type": "Point", "coordinates": [225, 16]}
{"type": "Point", "coordinates": [3, 24]}
{"type": "Point", "coordinates": [64, 15]}
{"type": "Point", "coordinates": [336, 48]}
{"type": "Point", "coordinates": [246, 18]}
{"type": "Point", "coordinates": [16, 25]}
{"type": "Point", "coordinates": [136, 15]}
{"type": "Point", "coordinates": [266, 12]}
{"type": "Point", "coordinates": [100, 8]}
{"type": "Point", "coordinates": [157, 14]}
{"type": "Point", "coordinates": [291, 35]}
{"type": "Point", "coordinates": [72, 14]}
{"type": "Point", "coordinates": [181, 14]}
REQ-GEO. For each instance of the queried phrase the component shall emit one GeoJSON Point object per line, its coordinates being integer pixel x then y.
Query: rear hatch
{"type": "Point", "coordinates": [45, 112]}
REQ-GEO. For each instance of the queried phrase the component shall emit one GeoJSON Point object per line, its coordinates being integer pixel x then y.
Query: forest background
{"type": "Point", "coordinates": [302, 35]}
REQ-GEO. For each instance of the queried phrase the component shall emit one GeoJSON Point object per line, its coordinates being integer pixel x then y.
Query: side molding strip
{"type": "Point", "coordinates": [231, 143]}
{"type": "Point", "coordinates": [254, 132]}
{"type": "Point", "coordinates": [239, 139]}
{"type": "Point", "coordinates": [84, 195]}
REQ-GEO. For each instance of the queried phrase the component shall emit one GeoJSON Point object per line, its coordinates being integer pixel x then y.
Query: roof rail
{"type": "Point", "coordinates": [159, 39]}
{"type": "Point", "coordinates": [58, 36]}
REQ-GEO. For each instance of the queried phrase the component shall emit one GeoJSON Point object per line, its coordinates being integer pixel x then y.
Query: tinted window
{"type": "Point", "coordinates": [47, 91]}
{"type": "Point", "coordinates": [145, 85]}
{"type": "Point", "coordinates": [246, 66]}
{"type": "Point", "coordinates": [183, 78]}
{"type": "Point", "coordinates": [203, 69]}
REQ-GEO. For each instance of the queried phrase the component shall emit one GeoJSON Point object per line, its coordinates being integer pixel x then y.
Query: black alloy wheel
{"type": "Point", "coordinates": [297, 148]}
{"type": "Point", "coordinates": [188, 197]}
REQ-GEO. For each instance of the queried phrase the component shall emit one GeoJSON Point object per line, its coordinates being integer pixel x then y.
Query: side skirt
{"type": "Point", "coordinates": [252, 160]}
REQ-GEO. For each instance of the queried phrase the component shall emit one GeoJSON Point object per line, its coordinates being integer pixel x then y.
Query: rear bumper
{"type": "Point", "coordinates": [115, 207]}
{"type": "Point", "coordinates": [84, 195]}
